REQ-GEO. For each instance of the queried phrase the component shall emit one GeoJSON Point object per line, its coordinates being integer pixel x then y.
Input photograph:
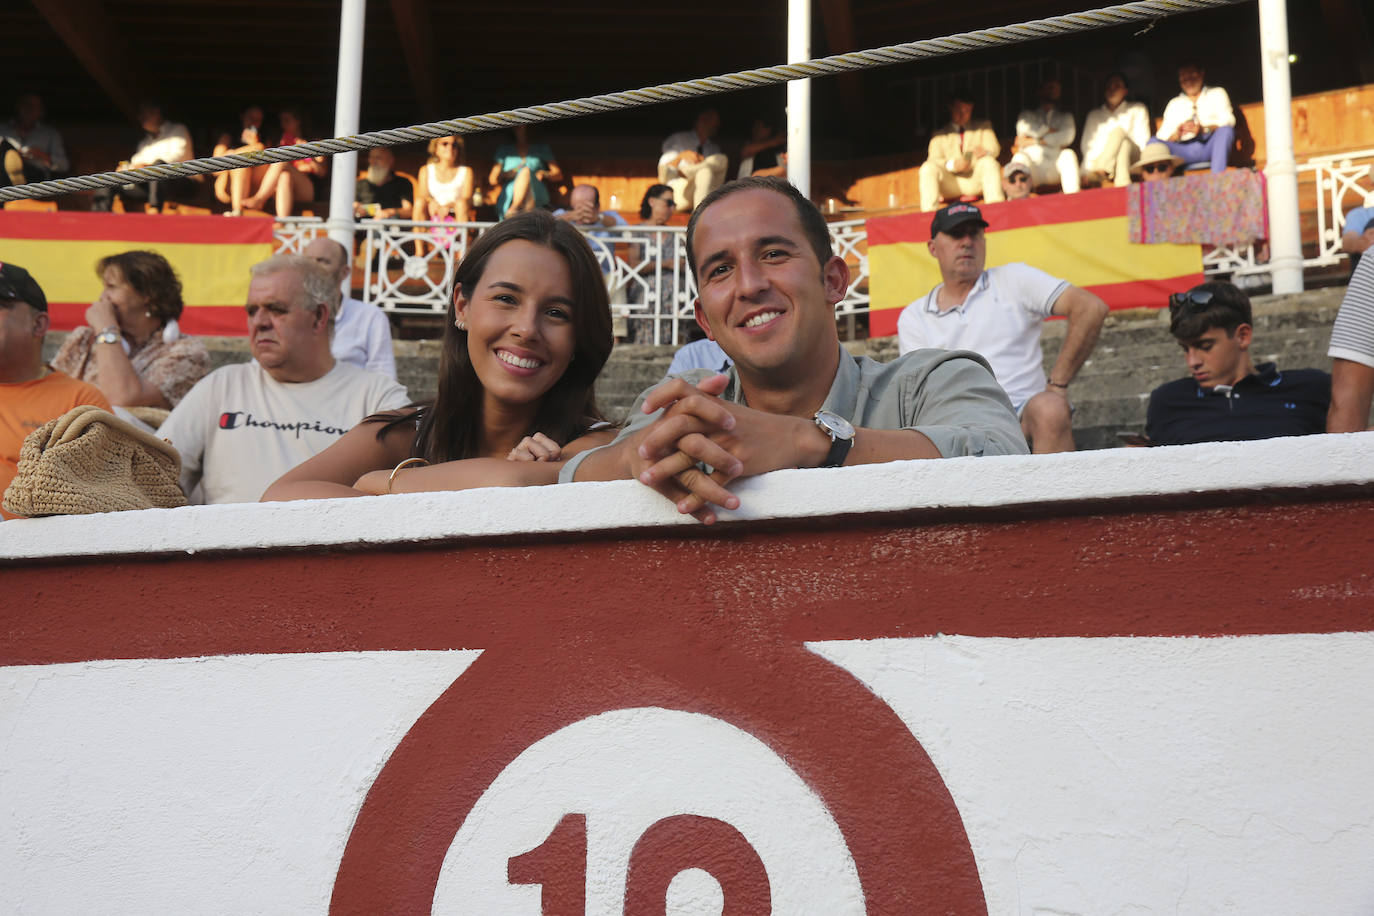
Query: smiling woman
{"type": "Point", "coordinates": [529, 329]}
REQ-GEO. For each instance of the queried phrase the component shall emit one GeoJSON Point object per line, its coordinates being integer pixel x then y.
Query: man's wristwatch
{"type": "Point", "coordinates": [841, 433]}
{"type": "Point", "coordinates": [108, 335]}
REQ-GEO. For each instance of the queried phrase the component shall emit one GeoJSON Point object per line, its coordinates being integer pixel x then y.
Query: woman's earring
{"type": "Point", "coordinates": [460, 324]}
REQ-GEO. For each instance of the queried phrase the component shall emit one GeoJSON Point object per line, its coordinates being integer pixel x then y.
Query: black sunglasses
{"type": "Point", "coordinates": [1156, 167]}
{"type": "Point", "coordinates": [1019, 178]}
{"type": "Point", "coordinates": [1196, 300]}
{"type": "Point", "coordinates": [666, 200]}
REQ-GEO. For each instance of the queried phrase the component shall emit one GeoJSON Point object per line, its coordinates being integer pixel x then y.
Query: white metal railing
{"type": "Point", "coordinates": [295, 232]}
{"type": "Point", "coordinates": [409, 265]}
{"type": "Point", "coordinates": [1338, 185]}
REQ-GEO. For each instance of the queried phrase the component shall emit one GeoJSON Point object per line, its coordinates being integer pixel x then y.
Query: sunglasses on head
{"type": "Point", "coordinates": [1156, 167]}
{"type": "Point", "coordinates": [1196, 300]}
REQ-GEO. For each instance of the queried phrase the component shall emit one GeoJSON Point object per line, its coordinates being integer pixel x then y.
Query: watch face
{"type": "Point", "coordinates": [836, 425]}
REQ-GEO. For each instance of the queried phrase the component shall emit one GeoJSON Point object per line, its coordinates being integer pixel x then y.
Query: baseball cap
{"type": "Point", "coordinates": [956, 215]}
{"type": "Point", "coordinates": [1011, 168]}
{"type": "Point", "coordinates": [16, 283]}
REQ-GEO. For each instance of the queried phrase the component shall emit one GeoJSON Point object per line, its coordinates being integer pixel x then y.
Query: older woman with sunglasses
{"type": "Point", "coordinates": [1156, 163]}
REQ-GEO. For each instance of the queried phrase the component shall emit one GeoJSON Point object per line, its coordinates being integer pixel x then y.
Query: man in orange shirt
{"type": "Point", "coordinates": [31, 392]}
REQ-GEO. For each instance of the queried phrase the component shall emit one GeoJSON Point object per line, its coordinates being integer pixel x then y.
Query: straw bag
{"type": "Point", "coordinates": [89, 460]}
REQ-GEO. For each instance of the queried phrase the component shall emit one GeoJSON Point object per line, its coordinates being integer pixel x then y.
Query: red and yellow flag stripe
{"type": "Point", "coordinates": [1080, 237]}
{"type": "Point", "coordinates": [210, 254]}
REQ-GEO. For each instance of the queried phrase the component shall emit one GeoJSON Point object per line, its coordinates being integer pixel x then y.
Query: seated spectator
{"type": "Point", "coordinates": [245, 425]}
{"type": "Point", "coordinates": [1199, 124]}
{"type": "Point", "coordinates": [131, 346]}
{"type": "Point", "coordinates": [765, 155]}
{"type": "Point", "coordinates": [524, 341]}
{"type": "Point", "coordinates": [31, 393]}
{"type": "Point", "coordinates": [1352, 354]}
{"type": "Point", "coordinates": [444, 188]}
{"type": "Point", "coordinates": [1227, 397]}
{"type": "Point", "coordinates": [39, 145]}
{"type": "Point", "coordinates": [163, 142]}
{"type": "Point", "coordinates": [998, 312]}
{"type": "Point", "coordinates": [289, 183]}
{"type": "Point", "coordinates": [522, 170]}
{"type": "Point", "coordinates": [655, 260]}
{"type": "Point", "coordinates": [692, 163]}
{"type": "Point", "coordinates": [11, 165]}
{"type": "Point", "coordinates": [1044, 135]}
{"type": "Point", "coordinates": [1358, 233]}
{"type": "Point", "coordinates": [794, 397]}
{"type": "Point", "coordinates": [382, 194]}
{"type": "Point", "coordinates": [586, 214]}
{"type": "Point", "coordinates": [1156, 163]}
{"type": "Point", "coordinates": [362, 333]}
{"type": "Point", "coordinates": [1016, 181]}
{"type": "Point", "coordinates": [1114, 134]}
{"type": "Point", "coordinates": [961, 161]}
{"type": "Point", "coordinates": [233, 186]}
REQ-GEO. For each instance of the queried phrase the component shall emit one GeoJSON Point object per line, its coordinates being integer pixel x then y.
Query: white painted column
{"type": "Point", "coordinates": [348, 93]}
{"type": "Point", "coordinates": [1285, 237]}
{"type": "Point", "coordinates": [799, 97]}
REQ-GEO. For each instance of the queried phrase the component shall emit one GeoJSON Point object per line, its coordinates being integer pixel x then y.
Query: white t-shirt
{"type": "Point", "coordinates": [1131, 117]}
{"type": "Point", "coordinates": [239, 429]}
{"type": "Point", "coordinates": [362, 336]}
{"type": "Point", "coordinates": [1212, 109]}
{"type": "Point", "coordinates": [999, 319]}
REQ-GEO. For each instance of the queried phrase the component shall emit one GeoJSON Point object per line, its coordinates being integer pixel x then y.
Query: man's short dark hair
{"type": "Point", "coordinates": [812, 222]}
{"type": "Point", "coordinates": [1228, 308]}
{"type": "Point", "coordinates": [959, 95]}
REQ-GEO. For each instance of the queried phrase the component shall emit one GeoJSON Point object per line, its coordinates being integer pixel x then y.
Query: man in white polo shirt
{"type": "Point", "coordinates": [997, 312]}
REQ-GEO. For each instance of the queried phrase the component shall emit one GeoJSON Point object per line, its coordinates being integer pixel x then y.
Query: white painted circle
{"type": "Point", "coordinates": [626, 770]}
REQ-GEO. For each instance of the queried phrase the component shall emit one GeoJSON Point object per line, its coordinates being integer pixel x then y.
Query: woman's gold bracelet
{"type": "Point", "coordinates": [409, 462]}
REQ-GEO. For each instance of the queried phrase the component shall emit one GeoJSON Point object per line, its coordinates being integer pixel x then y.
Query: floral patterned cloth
{"type": "Point", "coordinates": [171, 367]}
{"type": "Point", "coordinates": [1219, 208]}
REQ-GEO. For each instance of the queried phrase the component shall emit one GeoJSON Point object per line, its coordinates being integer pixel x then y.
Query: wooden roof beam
{"type": "Point", "coordinates": [94, 40]}
{"type": "Point", "coordinates": [413, 25]}
{"type": "Point", "coordinates": [837, 16]}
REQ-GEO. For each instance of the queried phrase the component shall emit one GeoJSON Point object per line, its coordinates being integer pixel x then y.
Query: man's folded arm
{"type": "Point", "coordinates": [959, 407]}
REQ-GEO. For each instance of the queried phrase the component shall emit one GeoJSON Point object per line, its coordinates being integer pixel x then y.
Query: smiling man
{"type": "Point", "coordinates": [1226, 397]}
{"type": "Point", "coordinates": [243, 426]}
{"type": "Point", "coordinates": [998, 312]}
{"type": "Point", "coordinates": [768, 284]}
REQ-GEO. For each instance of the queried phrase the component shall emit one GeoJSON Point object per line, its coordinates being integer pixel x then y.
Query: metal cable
{"type": "Point", "coordinates": [634, 98]}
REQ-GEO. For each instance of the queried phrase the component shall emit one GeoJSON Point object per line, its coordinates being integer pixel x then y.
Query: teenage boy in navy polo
{"type": "Point", "coordinates": [1226, 397]}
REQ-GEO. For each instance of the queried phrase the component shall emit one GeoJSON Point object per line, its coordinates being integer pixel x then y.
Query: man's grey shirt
{"type": "Point", "coordinates": [949, 396]}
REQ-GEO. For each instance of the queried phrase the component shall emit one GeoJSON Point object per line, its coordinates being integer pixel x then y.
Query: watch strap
{"type": "Point", "coordinates": [839, 451]}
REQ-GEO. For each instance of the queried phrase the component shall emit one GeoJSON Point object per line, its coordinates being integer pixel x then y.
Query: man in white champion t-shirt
{"type": "Point", "coordinates": [243, 426]}
{"type": "Point", "coordinates": [997, 312]}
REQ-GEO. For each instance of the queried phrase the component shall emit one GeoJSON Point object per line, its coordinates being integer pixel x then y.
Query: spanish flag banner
{"type": "Point", "coordinates": [210, 254]}
{"type": "Point", "coordinates": [1080, 237]}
